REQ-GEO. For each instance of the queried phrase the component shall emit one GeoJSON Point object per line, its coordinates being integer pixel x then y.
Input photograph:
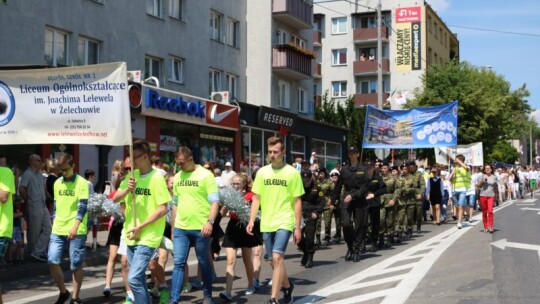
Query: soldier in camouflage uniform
{"type": "Point", "coordinates": [388, 208]}
{"type": "Point", "coordinates": [420, 187]}
{"type": "Point", "coordinates": [326, 186]}
{"type": "Point", "coordinates": [406, 186]}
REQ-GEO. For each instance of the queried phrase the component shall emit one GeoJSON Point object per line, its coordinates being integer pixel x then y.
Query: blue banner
{"type": "Point", "coordinates": [414, 128]}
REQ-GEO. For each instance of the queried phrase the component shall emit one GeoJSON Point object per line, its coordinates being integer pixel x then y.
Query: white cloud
{"type": "Point", "coordinates": [439, 5]}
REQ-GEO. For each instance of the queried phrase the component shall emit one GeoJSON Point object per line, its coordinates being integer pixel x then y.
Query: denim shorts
{"type": "Point", "coordinates": [460, 198]}
{"type": "Point", "coordinates": [276, 242]}
{"type": "Point", "coordinates": [4, 242]}
{"type": "Point", "coordinates": [17, 236]}
{"type": "Point", "coordinates": [471, 200]}
{"type": "Point", "coordinates": [76, 250]}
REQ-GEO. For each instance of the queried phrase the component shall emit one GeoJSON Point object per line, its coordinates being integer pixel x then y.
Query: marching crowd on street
{"type": "Point", "coordinates": [373, 205]}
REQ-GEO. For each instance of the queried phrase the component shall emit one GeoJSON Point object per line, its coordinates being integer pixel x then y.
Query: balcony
{"type": "Point", "coordinates": [368, 99]}
{"type": "Point", "coordinates": [290, 62]}
{"type": "Point", "coordinates": [317, 38]}
{"type": "Point", "coordinates": [369, 67]}
{"type": "Point", "coordinates": [295, 13]}
{"type": "Point", "coordinates": [317, 70]}
{"type": "Point", "coordinates": [361, 35]}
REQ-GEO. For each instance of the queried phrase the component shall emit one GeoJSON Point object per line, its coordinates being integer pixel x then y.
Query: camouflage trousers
{"type": "Point", "coordinates": [405, 217]}
{"type": "Point", "coordinates": [326, 218]}
{"type": "Point", "coordinates": [388, 220]}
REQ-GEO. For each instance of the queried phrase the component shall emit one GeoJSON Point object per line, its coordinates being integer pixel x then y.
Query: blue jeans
{"type": "Point", "coordinates": [76, 250]}
{"type": "Point", "coordinates": [138, 258]}
{"type": "Point", "coordinates": [182, 240]}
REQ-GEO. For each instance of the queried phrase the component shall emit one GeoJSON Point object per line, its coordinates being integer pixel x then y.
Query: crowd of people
{"type": "Point", "coordinates": [167, 211]}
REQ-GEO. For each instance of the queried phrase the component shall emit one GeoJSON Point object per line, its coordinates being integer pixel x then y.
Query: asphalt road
{"type": "Point", "coordinates": [442, 265]}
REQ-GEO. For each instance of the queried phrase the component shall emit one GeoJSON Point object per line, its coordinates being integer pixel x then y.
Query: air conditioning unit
{"type": "Point", "coordinates": [134, 76]}
{"type": "Point", "coordinates": [220, 96]}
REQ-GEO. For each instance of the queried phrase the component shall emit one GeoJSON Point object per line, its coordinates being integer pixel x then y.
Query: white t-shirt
{"type": "Point", "coordinates": [533, 174]}
{"type": "Point", "coordinates": [227, 176]}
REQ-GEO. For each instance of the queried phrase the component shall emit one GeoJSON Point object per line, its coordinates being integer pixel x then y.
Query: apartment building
{"type": "Point", "coordinates": [258, 51]}
{"type": "Point", "coordinates": [345, 37]}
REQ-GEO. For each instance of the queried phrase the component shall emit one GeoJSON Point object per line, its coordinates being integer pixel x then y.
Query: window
{"type": "Point", "coordinates": [214, 81]}
{"type": "Point", "coordinates": [339, 25]}
{"type": "Point", "coordinates": [298, 41]}
{"type": "Point", "coordinates": [88, 51]}
{"type": "Point", "coordinates": [176, 9]}
{"type": "Point", "coordinates": [281, 37]}
{"type": "Point", "coordinates": [152, 67]}
{"type": "Point", "coordinates": [153, 7]}
{"type": "Point", "coordinates": [176, 73]}
{"type": "Point", "coordinates": [339, 57]}
{"type": "Point", "coordinates": [339, 89]}
{"type": "Point", "coordinates": [298, 146]}
{"type": "Point", "coordinates": [302, 101]}
{"type": "Point", "coordinates": [328, 153]}
{"type": "Point", "coordinates": [56, 47]}
{"type": "Point", "coordinates": [234, 37]}
{"type": "Point", "coordinates": [368, 87]}
{"type": "Point", "coordinates": [215, 25]}
{"type": "Point", "coordinates": [232, 85]}
{"type": "Point", "coordinates": [283, 94]}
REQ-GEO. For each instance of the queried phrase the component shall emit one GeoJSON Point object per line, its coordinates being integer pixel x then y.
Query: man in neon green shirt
{"type": "Point", "coordinates": [69, 226]}
{"type": "Point", "coordinates": [7, 190]}
{"type": "Point", "coordinates": [278, 189]}
{"type": "Point", "coordinates": [196, 197]}
{"type": "Point", "coordinates": [143, 226]}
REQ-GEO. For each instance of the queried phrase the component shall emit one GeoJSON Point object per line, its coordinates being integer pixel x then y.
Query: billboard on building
{"type": "Point", "coordinates": [408, 38]}
{"type": "Point", "coordinates": [73, 105]}
{"type": "Point", "coordinates": [426, 127]}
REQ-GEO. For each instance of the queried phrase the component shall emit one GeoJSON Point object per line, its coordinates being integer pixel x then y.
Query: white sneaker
{"type": "Point", "coordinates": [459, 225]}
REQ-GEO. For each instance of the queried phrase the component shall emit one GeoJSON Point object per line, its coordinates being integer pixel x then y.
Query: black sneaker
{"type": "Point", "coordinates": [288, 293]}
{"type": "Point", "coordinates": [75, 301]}
{"type": "Point", "coordinates": [63, 297]}
{"type": "Point", "coordinates": [272, 301]}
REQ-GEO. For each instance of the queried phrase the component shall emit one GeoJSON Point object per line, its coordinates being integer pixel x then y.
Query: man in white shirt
{"type": "Point", "coordinates": [533, 179]}
{"type": "Point", "coordinates": [228, 173]}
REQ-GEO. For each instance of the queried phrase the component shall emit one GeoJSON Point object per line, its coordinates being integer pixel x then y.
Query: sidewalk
{"type": "Point", "coordinates": [31, 267]}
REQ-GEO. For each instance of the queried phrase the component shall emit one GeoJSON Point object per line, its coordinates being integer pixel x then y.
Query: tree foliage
{"type": "Point", "coordinates": [346, 115]}
{"type": "Point", "coordinates": [489, 111]}
{"type": "Point", "coordinates": [503, 152]}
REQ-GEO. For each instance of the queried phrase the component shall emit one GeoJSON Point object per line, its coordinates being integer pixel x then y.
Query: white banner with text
{"type": "Point", "coordinates": [73, 105]}
{"type": "Point", "coordinates": [474, 156]}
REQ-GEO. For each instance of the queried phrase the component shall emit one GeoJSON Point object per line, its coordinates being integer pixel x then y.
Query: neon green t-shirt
{"type": "Point", "coordinates": [66, 201]}
{"type": "Point", "coordinates": [7, 183]}
{"type": "Point", "coordinates": [150, 192]}
{"type": "Point", "coordinates": [277, 189]}
{"type": "Point", "coordinates": [195, 192]}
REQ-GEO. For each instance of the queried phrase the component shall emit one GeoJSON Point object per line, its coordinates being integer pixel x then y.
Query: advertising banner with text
{"type": "Point", "coordinates": [408, 39]}
{"type": "Point", "coordinates": [474, 155]}
{"type": "Point", "coordinates": [73, 105]}
{"type": "Point", "coordinates": [426, 127]}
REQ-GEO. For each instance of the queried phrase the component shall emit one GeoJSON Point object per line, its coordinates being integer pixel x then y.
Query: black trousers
{"type": "Point", "coordinates": [307, 244]}
{"type": "Point", "coordinates": [375, 222]}
{"type": "Point", "coordinates": [353, 221]}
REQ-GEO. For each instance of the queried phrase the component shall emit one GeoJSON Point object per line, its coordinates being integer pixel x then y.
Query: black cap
{"type": "Point", "coordinates": [305, 162]}
{"type": "Point", "coordinates": [306, 174]}
{"type": "Point", "coordinates": [353, 149]}
{"type": "Point", "coordinates": [403, 166]}
{"type": "Point", "coordinates": [378, 160]}
{"type": "Point", "coordinates": [411, 163]}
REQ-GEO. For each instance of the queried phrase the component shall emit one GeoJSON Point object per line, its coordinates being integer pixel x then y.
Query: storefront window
{"type": "Point", "coordinates": [177, 134]}
{"type": "Point", "coordinates": [217, 146]}
{"type": "Point", "coordinates": [328, 153]}
{"type": "Point", "coordinates": [298, 146]}
{"type": "Point", "coordinates": [256, 154]}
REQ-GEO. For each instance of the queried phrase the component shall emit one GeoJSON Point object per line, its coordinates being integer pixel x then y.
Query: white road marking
{"type": "Point", "coordinates": [533, 209]}
{"type": "Point", "coordinates": [407, 281]}
{"type": "Point", "coordinates": [502, 244]}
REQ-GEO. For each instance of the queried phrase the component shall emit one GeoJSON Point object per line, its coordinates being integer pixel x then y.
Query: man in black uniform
{"type": "Point", "coordinates": [377, 187]}
{"type": "Point", "coordinates": [354, 180]}
{"type": "Point", "coordinates": [313, 202]}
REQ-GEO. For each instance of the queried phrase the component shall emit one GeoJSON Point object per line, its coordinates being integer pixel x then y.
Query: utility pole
{"type": "Point", "coordinates": [530, 148]}
{"type": "Point", "coordinates": [379, 57]}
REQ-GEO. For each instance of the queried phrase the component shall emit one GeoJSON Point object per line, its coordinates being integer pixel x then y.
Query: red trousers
{"type": "Point", "coordinates": [486, 203]}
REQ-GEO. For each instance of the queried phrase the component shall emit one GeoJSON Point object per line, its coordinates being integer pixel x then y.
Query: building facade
{"type": "Point", "coordinates": [257, 51]}
{"type": "Point", "coordinates": [345, 38]}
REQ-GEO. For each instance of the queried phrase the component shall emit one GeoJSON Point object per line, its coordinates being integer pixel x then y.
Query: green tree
{"type": "Point", "coordinates": [489, 111]}
{"type": "Point", "coordinates": [503, 152]}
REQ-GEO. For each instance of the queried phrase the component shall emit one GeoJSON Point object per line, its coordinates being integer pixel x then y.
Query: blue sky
{"type": "Point", "coordinates": [516, 57]}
